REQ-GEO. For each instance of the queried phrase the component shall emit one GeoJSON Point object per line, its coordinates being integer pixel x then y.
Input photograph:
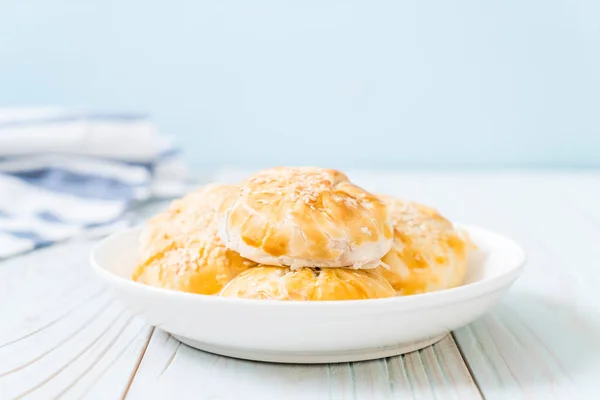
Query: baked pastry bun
{"type": "Point", "coordinates": [428, 254]}
{"type": "Point", "coordinates": [306, 217]}
{"type": "Point", "coordinates": [180, 248]}
{"type": "Point", "coordinates": [283, 283]}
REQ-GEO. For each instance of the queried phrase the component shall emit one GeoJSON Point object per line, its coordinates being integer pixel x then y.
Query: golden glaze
{"type": "Point", "coordinates": [180, 248]}
{"type": "Point", "coordinates": [428, 253]}
{"type": "Point", "coordinates": [306, 284]}
{"type": "Point", "coordinates": [313, 215]}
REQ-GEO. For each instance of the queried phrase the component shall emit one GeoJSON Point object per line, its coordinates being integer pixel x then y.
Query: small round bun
{"type": "Point", "coordinates": [428, 254]}
{"type": "Point", "coordinates": [306, 284]}
{"type": "Point", "coordinates": [180, 248]}
{"type": "Point", "coordinates": [306, 217]}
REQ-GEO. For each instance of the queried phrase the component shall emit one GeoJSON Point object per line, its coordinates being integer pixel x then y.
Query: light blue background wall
{"type": "Point", "coordinates": [350, 83]}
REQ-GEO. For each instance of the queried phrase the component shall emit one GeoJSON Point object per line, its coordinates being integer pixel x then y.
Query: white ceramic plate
{"type": "Point", "coordinates": [313, 332]}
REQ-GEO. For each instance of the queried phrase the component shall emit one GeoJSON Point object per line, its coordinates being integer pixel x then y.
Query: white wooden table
{"type": "Point", "coordinates": [62, 335]}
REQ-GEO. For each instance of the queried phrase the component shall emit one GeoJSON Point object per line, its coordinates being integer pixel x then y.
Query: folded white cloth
{"type": "Point", "coordinates": [65, 173]}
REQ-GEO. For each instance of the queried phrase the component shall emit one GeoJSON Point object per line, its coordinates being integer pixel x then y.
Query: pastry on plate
{"type": "Point", "coordinates": [428, 254]}
{"type": "Point", "coordinates": [306, 217]}
{"type": "Point", "coordinates": [180, 248]}
{"type": "Point", "coordinates": [306, 284]}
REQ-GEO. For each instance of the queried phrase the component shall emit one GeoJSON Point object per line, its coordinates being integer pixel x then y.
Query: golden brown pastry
{"type": "Point", "coordinates": [180, 248]}
{"type": "Point", "coordinates": [306, 217]}
{"type": "Point", "coordinates": [304, 284]}
{"type": "Point", "coordinates": [428, 253]}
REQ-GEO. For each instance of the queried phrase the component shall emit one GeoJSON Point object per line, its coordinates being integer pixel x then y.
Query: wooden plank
{"type": "Point", "coordinates": [62, 334]}
{"type": "Point", "coordinates": [542, 341]}
{"type": "Point", "coordinates": [170, 367]}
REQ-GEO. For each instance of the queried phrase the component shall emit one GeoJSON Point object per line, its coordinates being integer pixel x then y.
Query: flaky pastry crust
{"type": "Point", "coordinates": [306, 217]}
{"type": "Point", "coordinates": [180, 248]}
{"type": "Point", "coordinates": [428, 254]}
{"type": "Point", "coordinates": [306, 284]}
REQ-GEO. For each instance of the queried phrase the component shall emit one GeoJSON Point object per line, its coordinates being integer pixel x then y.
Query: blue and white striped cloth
{"type": "Point", "coordinates": [66, 173]}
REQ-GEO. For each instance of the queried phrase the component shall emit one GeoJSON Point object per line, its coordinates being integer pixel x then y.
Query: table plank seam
{"type": "Point", "coordinates": [170, 360]}
{"type": "Point", "coordinates": [98, 358]}
{"type": "Point", "coordinates": [404, 363]}
{"type": "Point", "coordinates": [388, 374]}
{"type": "Point", "coordinates": [137, 365]}
{"type": "Point", "coordinates": [62, 342]}
{"type": "Point", "coordinates": [466, 363]}
{"type": "Point", "coordinates": [352, 378]}
{"type": "Point", "coordinates": [72, 360]}
{"type": "Point", "coordinates": [54, 321]}
{"type": "Point", "coordinates": [119, 355]}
